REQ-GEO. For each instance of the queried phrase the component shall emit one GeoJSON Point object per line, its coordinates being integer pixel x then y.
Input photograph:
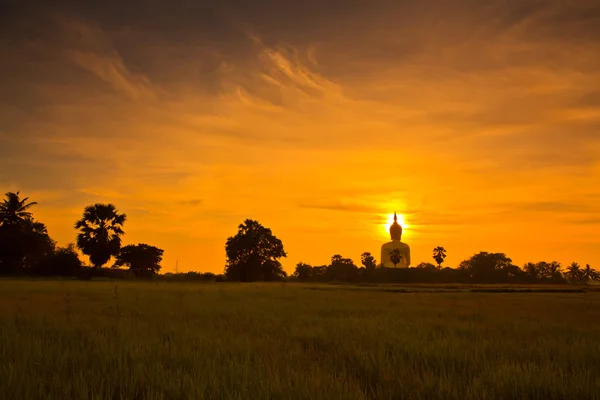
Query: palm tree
{"type": "Point", "coordinates": [574, 272]}
{"type": "Point", "coordinates": [35, 226]}
{"type": "Point", "coordinates": [395, 257]}
{"type": "Point", "coordinates": [589, 274]}
{"type": "Point", "coordinates": [100, 232]}
{"type": "Point", "coordinates": [439, 254]}
{"type": "Point", "coordinates": [13, 210]}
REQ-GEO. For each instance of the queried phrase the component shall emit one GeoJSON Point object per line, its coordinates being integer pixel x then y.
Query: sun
{"type": "Point", "coordinates": [390, 221]}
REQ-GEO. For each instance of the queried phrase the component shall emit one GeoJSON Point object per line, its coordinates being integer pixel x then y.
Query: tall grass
{"type": "Point", "coordinates": [98, 340]}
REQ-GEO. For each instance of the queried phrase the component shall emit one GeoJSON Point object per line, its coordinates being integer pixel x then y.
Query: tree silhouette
{"type": "Point", "coordinates": [34, 242]}
{"type": "Point", "coordinates": [488, 267]}
{"type": "Point", "coordinates": [368, 261]}
{"type": "Point", "coordinates": [303, 271]}
{"type": "Point", "coordinates": [395, 257]}
{"type": "Point", "coordinates": [253, 254]}
{"type": "Point", "coordinates": [574, 272]}
{"type": "Point", "coordinates": [23, 240]}
{"type": "Point", "coordinates": [100, 231]}
{"type": "Point", "coordinates": [13, 210]}
{"type": "Point", "coordinates": [64, 261]}
{"type": "Point", "coordinates": [142, 259]}
{"type": "Point", "coordinates": [589, 274]}
{"type": "Point", "coordinates": [427, 266]}
{"type": "Point", "coordinates": [531, 270]}
{"type": "Point", "coordinates": [342, 269]}
{"type": "Point", "coordinates": [439, 254]}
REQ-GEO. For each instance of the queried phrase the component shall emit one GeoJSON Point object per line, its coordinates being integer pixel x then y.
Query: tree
{"type": "Point", "coordinates": [64, 261]}
{"type": "Point", "coordinates": [13, 210]}
{"type": "Point", "coordinates": [35, 242]}
{"type": "Point", "coordinates": [589, 274]}
{"type": "Point", "coordinates": [549, 271]}
{"type": "Point", "coordinates": [368, 261]}
{"type": "Point", "coordinates": [487, 267]}
{"type": "Point", "coordinates": [439, 254]}
{"type": "Point", "coordinates": [395, 257]}
{"type": "Point", "coordinates": [100, 231]}
{"type": "Point", "coordinates": [142, 259]}
{"type": "Point", "coordinates": [342, 269]}
{"type": "Point", "coordinates": [23, 245]}
{"type": "Point", "coordinates": [531, 270]}
{"type": "Point", "coordinates": [253, 254]}
{"type": "Point", "coordinates": [303, 271]}
{"type": "Point", "coordinates": [574, 272]}
{"type": "Point", "coordinates": [427, 266]}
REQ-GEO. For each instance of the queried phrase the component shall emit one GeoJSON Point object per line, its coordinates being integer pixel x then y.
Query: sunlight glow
{"type": "Point", "coordinates": [390, 220]}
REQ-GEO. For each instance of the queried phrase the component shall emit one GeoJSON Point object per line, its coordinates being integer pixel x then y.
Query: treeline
{"type": "Point", "coordinates": [482, 267]}
{"type": "Point", "coordinates": [26, 248]}
{"type": "Point", "coordinates": [253, 254]}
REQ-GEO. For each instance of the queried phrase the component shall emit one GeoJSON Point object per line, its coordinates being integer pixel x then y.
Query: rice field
{"type": "Point", "coordinates": [146, 340]}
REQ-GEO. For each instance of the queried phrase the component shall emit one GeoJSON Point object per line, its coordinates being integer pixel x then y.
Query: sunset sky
{"type": "Point", "coordinates": [478, 121]}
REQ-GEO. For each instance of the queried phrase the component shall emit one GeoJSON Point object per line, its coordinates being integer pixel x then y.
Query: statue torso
{"type": "Point", "coordinates": [387, 248]}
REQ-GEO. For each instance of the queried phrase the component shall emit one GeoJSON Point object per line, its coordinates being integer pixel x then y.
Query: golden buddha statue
{"type": "Point", "coordinates": [395, 254]}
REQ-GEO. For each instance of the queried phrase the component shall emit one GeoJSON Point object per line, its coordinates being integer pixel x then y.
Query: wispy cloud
{"type": "Point", "coordinates": [481, 129]}
{"type": "Point", "coordinates": [93, 51]}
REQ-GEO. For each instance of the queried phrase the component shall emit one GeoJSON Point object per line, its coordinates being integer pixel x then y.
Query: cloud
{"type": "Point", "coordinates": [314, 117]}
{"type": "Point", "coordinates": [91, 50]}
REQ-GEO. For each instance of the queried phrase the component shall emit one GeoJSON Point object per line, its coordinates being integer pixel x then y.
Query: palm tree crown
{"type": "Point", "coordinates": [100, 231]}
{"type": "Point", "coordinates": [13, 210]}
{"type": "Point", "coordinates": [589, 273]}
{"type": "Point", "coordinates": [439, 254]}
{"type": "Point", "coordinates": [574, 271]}
{"type": "Point", "coordinates": [395, 257]}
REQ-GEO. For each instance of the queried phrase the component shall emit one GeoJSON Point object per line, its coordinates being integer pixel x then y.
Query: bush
{"type": "Point", "coordinates": [64, 261]}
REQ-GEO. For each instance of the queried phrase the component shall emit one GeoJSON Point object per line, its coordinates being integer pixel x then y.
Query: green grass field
{"type": "Point", "coordinates": [101, 340]}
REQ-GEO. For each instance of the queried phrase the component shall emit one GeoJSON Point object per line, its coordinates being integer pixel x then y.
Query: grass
{"type": "Point", "coordinates": [98, 340]}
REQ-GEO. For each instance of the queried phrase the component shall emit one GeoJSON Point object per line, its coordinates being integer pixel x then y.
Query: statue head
{"type": "Point", "coordinates": [395, 229]}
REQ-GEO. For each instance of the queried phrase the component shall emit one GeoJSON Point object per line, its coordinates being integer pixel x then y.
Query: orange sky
{"type": "Point", "coordinates": [478, 121]}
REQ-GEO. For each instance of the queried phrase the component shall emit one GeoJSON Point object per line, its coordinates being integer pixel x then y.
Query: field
{"type": "Point", "coordinates": [101, 340]}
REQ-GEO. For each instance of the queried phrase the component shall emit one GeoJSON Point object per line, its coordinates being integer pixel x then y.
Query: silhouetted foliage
{"type": "Point", "coordinates": [100, 231]}
{"type": "Point", "coordinates": [487, 267]}
{"type": "Point", "coordinates": [23, 241]}
{"type": "Point", "coordinates": [480, 268]}
{"type": "Point", "coordinates": [547, 272]}
{"type": "Point", "coordinates": [64, 261]}
{"type": "Point", "coordinates": [303, 272]}
{"type": "Point", "coordinates": [439, 255]}
{"type": "Point", "coordinates": [342, 269]}
{"type": "Point", "coordinates": [395, 257]}
{"type": "Point", "coordinates": [590, 274]}
{"type": "Point", "coordinates": [574, 273]}
{"type": "Point", "coordinates": [368, 261]}
{"type": "Point", "coordinates": [13, 209]}
{"type": "Point", "coordinates": [23, 246]}
{"type": "Point", "coordinates": [253, 254]}
{"type": "Point", "coordinates": [142, 259]}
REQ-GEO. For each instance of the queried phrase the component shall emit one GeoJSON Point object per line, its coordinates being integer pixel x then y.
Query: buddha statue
{"type": "Point", "coordinates": [395, 247]}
